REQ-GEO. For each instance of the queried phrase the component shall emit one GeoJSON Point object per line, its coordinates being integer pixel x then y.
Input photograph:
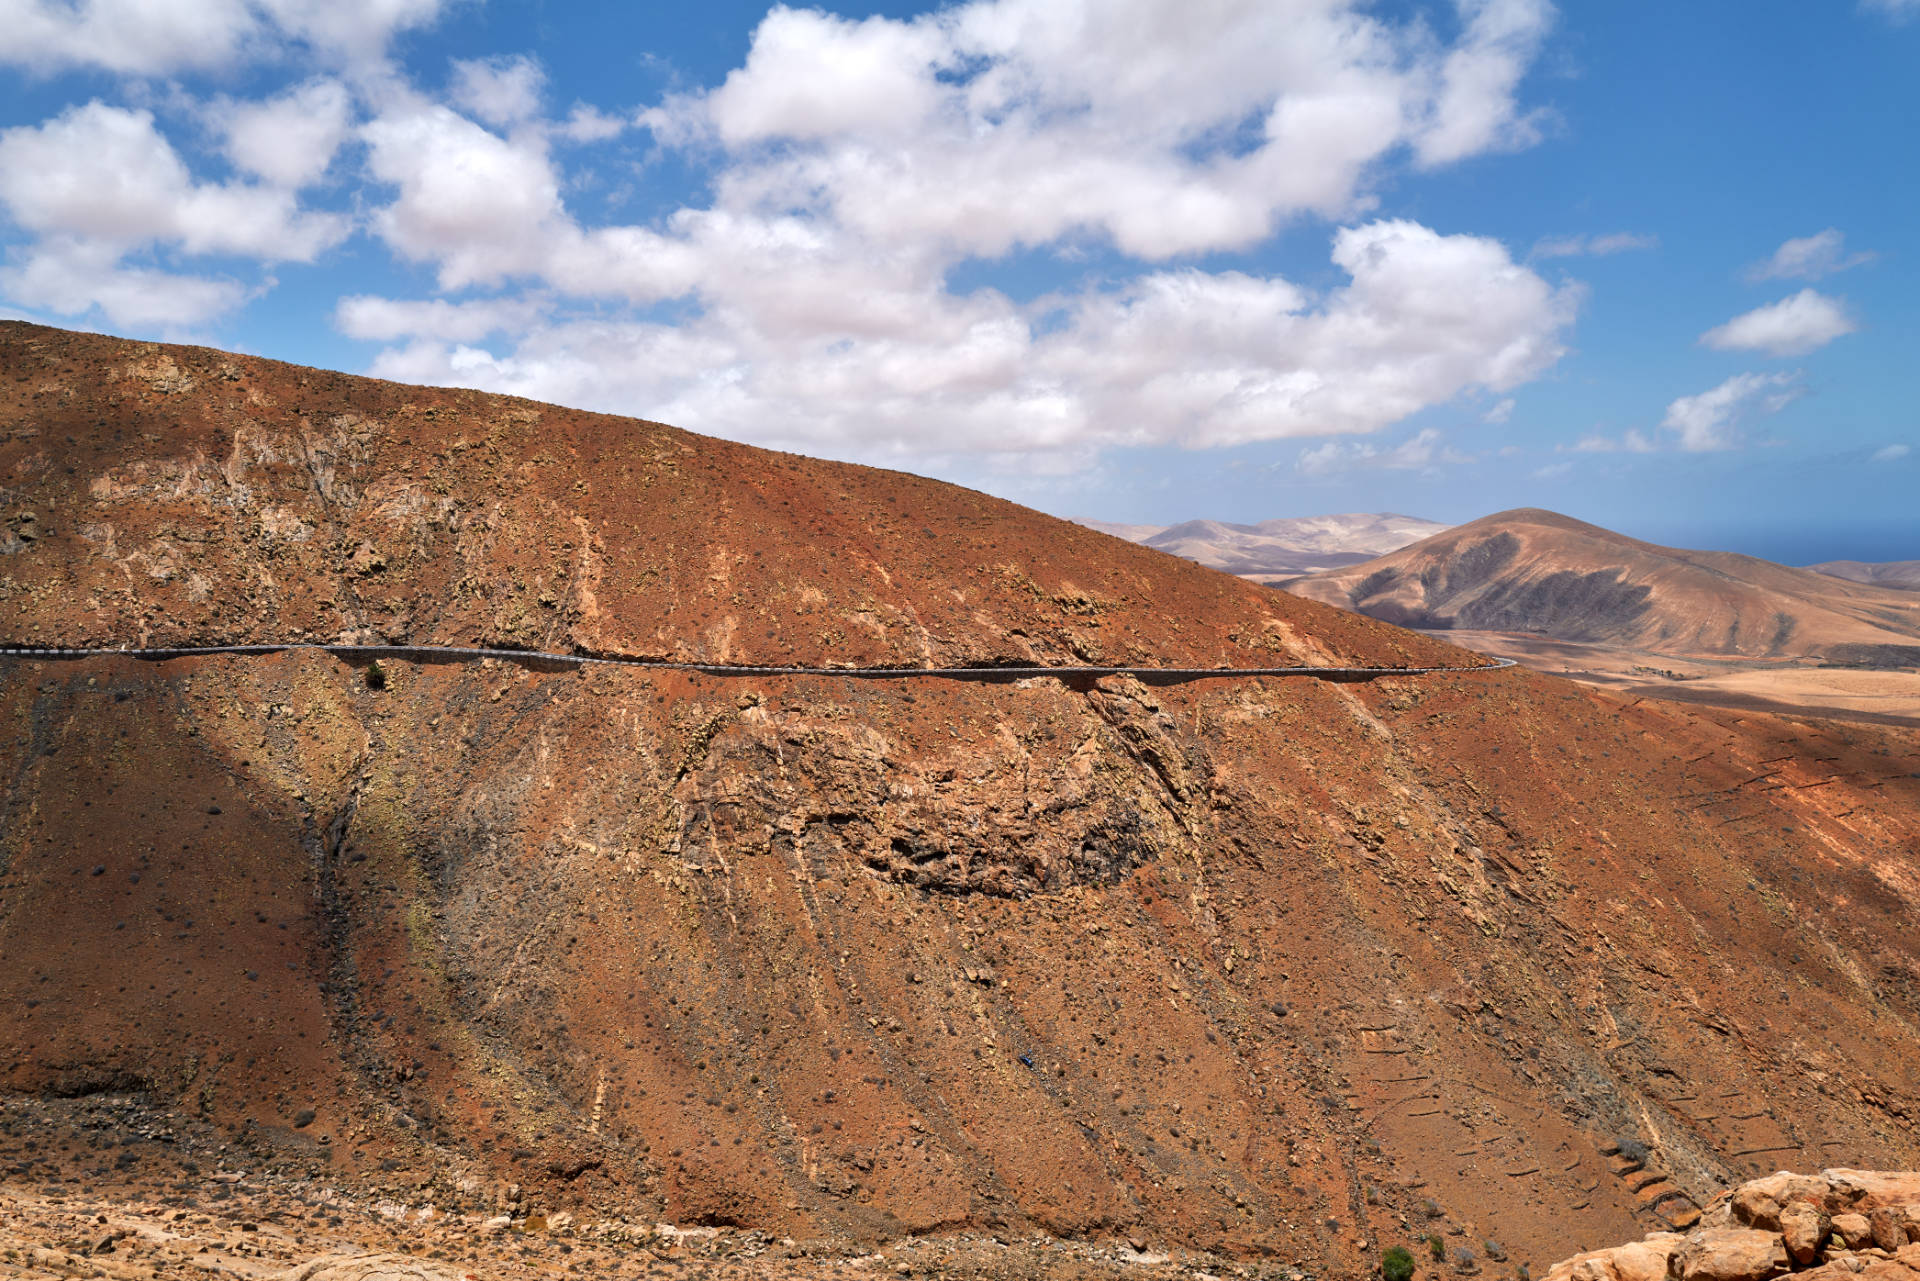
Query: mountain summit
{"type": "Point", "coordinates": [1537, 571]}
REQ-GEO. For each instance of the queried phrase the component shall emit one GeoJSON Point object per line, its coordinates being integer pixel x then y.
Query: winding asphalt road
{"type": "Point", "coordinates": [457, 653]}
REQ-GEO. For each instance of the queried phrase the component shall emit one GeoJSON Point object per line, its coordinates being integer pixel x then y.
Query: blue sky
{"type": "Point", "coordinates": [1649, 264]}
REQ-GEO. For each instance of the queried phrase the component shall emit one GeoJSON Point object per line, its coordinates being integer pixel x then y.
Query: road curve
{"type": "Point", "coordinates": [460, 653]}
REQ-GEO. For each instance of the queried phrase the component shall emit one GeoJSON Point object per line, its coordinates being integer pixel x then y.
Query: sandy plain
{"type": "Point", "coordinates": [1805, 687]}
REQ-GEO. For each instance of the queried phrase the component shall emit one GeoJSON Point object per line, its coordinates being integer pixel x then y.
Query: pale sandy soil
{"type": "Point", "coordinates": [1786, 686]}
{"type": "Point", "coordinates": [268, 1232]}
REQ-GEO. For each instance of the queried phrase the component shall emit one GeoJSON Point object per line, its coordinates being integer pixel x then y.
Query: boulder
{"type": "Point", "coordinates": [1646, 1260]}
{"type": "Point", "coordinates": [1864, 1190]}
{"type": "Point", "coordinates": [1838, 1223]}
{"type": "Point", "coordinates": [1758, 1204]}
{"type": "Point", "coordinates": [1730, 1254]}
{"type": "Point", "coordinates": [1803, 1228]}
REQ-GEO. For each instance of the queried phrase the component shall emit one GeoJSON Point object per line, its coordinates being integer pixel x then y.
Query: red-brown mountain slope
{"type": "Point", "coordinates": [167, 494]}
{"type": "Point", "coordinates": [1288, 967]}
{"type": "Point", "coordinates": [1530, 570]}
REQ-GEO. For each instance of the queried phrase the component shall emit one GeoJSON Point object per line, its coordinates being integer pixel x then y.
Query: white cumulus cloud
{"type": "Point", "coordinates": [500, 91]}
{"type": "Point", "coordinates": [70, 277]}
{"type": "Point", "coordinates": [288, 140]}
{"type": "Point", "coordinates": [386, 319]}
{"type": "Point", "coordinates": [1474, 110]}
{"type": "Point", "coordinates": [1181, 357]}
{"type": "Point", "coordinates": [1711, 420]}
{"type": "Point", "coordinates": [1167, 130]}
{"type": "Point", "coordinates": [859, 162]}
{"type": "Point", "coordinates": [99, 184]}
{"type": "Point", "coordinates": [106, 174]}
{"type": "Point", "coordinates": [164, 37]}
{"type": "Point", "coordinates": [1794, 326]}
{"type": "Point", "coordinates": [1891, 453]}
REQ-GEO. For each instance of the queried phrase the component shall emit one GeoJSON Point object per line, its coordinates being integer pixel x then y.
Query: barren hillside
{"type": "Point", "coordinates": [1904, 574]}
{"type": "Point", "coordinates": [1283, 968]}
{"type": "Point", "coordinates": [1536, 571]}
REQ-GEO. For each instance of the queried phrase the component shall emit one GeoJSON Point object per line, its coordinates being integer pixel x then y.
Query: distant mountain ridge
{"type": "Point", "coordinates": [1537, 571]}
{"type": "Point", "coordinates": [1901, 574]}
{"type": "Point", "coordinates": [1281, 548]}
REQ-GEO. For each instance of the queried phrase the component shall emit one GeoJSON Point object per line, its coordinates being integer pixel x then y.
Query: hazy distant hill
{"type": "Point", "coordinates": [1902, 574]}
{"type": "Point", "coordinates": [1536, 571]}
{"type": "Point", "coordinates": [1282, 548]}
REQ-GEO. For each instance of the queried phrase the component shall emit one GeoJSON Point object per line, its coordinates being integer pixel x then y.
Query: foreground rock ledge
{"type": "Point", "coordinates": [1838, 1223]}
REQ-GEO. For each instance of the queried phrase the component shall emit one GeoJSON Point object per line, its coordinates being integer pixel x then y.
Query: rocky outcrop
{"type": "Point", "coordinates": [1838, 1223]}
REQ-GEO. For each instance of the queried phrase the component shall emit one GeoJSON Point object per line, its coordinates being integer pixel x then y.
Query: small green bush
{"type": "Point", "coordinates": [376, 675]}
{"type": "Point", "coordinates": [1437, 1248]}
{"type": "Point", "coordinates": [1396, 1264]}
